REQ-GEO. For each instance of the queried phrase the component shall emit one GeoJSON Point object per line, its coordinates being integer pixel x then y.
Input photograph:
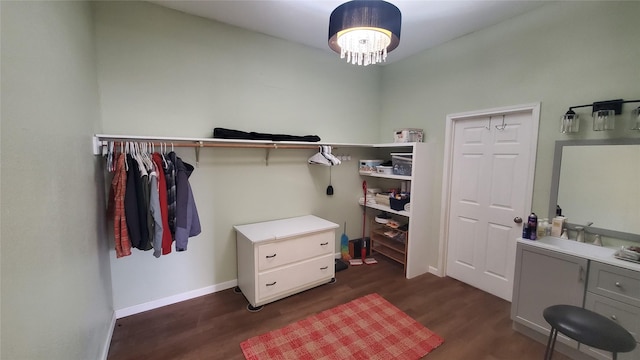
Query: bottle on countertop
{"type": "Point", "coordinates": [532, 224]}
{"type": "Point", "coordinates": [542, 227]}
{"type": "Point", "coordinates": [557, 225]}
{"type": "Point", "coordinates": [565, 234]}
{"type": "Point", "coordinates": [525, 231]}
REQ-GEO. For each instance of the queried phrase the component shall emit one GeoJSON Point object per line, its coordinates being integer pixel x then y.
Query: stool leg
{"type": "Point", "coordinates": [614, 356]}
{"type": "Point", "coordinates": [551, 344]}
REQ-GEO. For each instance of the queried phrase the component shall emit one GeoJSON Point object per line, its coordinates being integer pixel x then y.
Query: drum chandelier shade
{"type": "Point", "coordinates": [364, 31]}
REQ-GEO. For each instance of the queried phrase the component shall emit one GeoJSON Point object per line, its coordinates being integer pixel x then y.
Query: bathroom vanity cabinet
{"type": "Point", "coordinates": [554, 271]}
{"type": "Point", "coordinates": [546, 278]}
{"type": "Point", "coordinates": [614, 292]}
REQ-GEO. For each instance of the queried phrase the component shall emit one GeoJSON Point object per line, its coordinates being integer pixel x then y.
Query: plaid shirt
{"type": "Point", "coordinates": [116, 209]}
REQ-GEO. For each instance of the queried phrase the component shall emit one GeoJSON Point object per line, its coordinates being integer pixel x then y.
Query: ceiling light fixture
{"type": "Point", "coordinates": [364, 31]}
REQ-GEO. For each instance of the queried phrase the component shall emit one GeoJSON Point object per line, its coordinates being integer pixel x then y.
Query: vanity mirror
{"type": "Point", "coordinates": [598, 181]}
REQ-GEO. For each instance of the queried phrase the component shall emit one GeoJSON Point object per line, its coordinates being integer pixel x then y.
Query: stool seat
{"type": "Point", "coordinates": [589, 328]}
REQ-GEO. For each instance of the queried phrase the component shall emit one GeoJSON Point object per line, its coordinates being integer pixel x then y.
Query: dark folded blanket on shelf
{"type": "Point", "coordinates": [222, 133]}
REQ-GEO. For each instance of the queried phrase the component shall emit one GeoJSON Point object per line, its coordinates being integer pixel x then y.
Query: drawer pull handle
{"type": "Point", "coordinates": [613, 317]}
{"type": "Point", "coordinates": [271, 284]}
{"type": "Point", "coordinates": [324, 268]}
{"type": "Point", "coordinates": [271, 256]}
{"type": "Point", "coordinates": [618, 284]}
{"type": "Point", "coordinates": [324, 243]}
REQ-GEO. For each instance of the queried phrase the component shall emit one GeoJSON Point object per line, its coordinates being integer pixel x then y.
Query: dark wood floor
{"type": "Point", "coordinates": [474, 324]}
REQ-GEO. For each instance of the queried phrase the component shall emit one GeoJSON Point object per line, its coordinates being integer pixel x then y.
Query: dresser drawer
{"type": "Point", "coordinates": [614, 282]}
{"type": "Point", "coordinates": [279, 253]}
{"type": "Point", "coordinates": [626, 315]}
{"type": "Point", "coordinates": [288, 278]}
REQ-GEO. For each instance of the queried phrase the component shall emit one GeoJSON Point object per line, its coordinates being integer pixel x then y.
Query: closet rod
{"type": "Point", "coordinates": [101, 141]}
{"type": "Point", "coordinates": [218, 145]}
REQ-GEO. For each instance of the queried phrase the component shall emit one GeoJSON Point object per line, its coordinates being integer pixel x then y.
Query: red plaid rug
{"type": "Point", "coordinates": [366, 328]}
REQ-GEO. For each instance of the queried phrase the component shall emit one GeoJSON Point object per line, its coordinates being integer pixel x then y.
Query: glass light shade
{"type": "Point", "coordinates": [364, 45]}
{"type": "Point", "coordinates": [603, 120]}
{"type": "Point", "coordinates": [570, 122]}
{"type": "Point", "coordinates": [635, 119]}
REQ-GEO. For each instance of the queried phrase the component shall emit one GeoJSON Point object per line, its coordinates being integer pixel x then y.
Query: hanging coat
{"type": "Point", "coordinates": [187, 220]}
{"type": "Point", "coordinates": [155, 211]}
{"type": "Point", "coordinates": [164, 211]}
{"type": "Point", "coordinates": [131, 205]}
{"type": "Point", "coordinates": [142, 195]}
{"type": "Point", "coordinates": [117, 208]}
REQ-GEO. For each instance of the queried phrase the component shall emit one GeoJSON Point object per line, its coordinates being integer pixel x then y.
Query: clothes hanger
{"type": "Point", "coordinates": [138, 157]}
{"type": "Point", "coordinates": [164, 161]}
{"type": "Point", "coordinates": [319, 158]}
{"type": "Point", "coordinates": [327, 154]}
{"type": "Point", "coordinates": [110, 156]}
{"type": "Point", "coordinates": [126, 163]}
{"type": "Point", "coordinates": [147, 156]}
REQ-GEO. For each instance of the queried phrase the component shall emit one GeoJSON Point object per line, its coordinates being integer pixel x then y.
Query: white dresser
{"type": "Point", "coordinates": [283, 257]}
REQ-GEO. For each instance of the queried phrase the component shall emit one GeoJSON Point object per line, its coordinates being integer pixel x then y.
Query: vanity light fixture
{"type": "Point", "coordinates": [364, 31]}
{"type": "Point", "coordinates": [570, 122]}
{"type": "Point", "coordinates": [603, 113]}
{"type": "Point", "coordinates": [635, 119]}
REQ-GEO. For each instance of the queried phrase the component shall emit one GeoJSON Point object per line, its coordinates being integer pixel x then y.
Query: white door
{"type": "Point", "coordinates": [492, 161]}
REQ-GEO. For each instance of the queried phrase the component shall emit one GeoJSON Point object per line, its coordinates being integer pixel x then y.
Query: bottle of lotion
{"type": "Point", "coordinates": [542, 227]}
{"type": "Point", "coordinates": [557, 225]}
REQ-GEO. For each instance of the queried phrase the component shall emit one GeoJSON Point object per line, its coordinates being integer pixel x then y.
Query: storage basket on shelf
{"type": "Point", "coordinates": [398, 204]}
{"type": "Point", "coordinates": [402, 163]}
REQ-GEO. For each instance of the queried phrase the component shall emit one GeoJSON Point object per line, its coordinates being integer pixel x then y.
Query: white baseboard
{"type": "Point", "coordinates": [136, 309]}
{"type": "Point", "coordinates": [105, 348]}
{"type": "Point", "coordinates": [435, 271]}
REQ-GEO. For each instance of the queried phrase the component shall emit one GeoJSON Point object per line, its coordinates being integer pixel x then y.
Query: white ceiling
{"type": "Point", "coordinates": [425, 23]}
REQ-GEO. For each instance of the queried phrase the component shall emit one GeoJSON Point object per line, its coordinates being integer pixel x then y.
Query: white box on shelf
{"type": "Point", "coordinates": [408, 135]}
{"type": "Point", "coordinates": [369, 166]}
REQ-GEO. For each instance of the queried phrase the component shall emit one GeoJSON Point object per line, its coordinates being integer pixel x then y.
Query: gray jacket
{"type": "Point", "coordinates": [187, 220]}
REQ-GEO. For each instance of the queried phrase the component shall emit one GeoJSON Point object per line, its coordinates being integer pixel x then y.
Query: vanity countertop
{"type": "Point", "coordinates": [587, 251]}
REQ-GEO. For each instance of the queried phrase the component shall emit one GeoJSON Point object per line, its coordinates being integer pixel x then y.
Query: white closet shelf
{"type": "Point", "coordinates": [388, 176]}
{"type": "Point", "coordinates": [389, 209]}
{"type": "Point", "coordinates": [101, 140]}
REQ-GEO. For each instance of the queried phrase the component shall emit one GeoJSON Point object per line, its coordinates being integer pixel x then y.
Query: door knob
{"type": "Point", "coordinates": [517, 220]}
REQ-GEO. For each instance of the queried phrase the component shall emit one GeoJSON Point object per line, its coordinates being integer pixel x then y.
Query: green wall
{"type": "Point", "coordinates": [56, 283]}
{"type": "Point", "coordinates": [166, 73]}
{"type": "Point", "coordinates": [561, 54]}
